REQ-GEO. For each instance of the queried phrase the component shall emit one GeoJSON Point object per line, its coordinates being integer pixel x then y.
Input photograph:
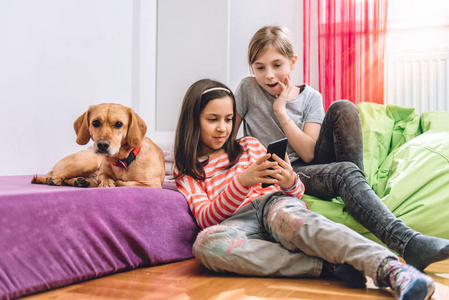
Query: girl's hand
{"type": "Point", "coordinates": [259, 172]}
{"type": "Point", "coordinates": [286, 176]}
{"type": "Point", "coordinates": [281, 100]}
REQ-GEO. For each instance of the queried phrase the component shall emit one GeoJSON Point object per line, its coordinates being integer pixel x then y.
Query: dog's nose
{"type": "Point", "coordinates": [103, 145]}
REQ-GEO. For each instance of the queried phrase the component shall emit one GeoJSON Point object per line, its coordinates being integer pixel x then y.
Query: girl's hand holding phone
{"type": "Point", "coordinates": [286, 176]}
{"type": "Point", "coordinates": [259, 172]}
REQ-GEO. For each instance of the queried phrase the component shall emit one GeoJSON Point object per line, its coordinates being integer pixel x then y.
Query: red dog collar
{"type": "Point", "coordinates": [124, 163]}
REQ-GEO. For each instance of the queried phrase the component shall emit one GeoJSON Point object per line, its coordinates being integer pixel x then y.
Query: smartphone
{"type": "Point", "coordinates": [277, 147]}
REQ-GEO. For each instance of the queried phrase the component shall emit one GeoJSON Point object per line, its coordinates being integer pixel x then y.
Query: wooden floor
{"type": "Point", "coordinates": [189, 280]}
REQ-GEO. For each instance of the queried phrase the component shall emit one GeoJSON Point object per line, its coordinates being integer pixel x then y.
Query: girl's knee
{"type": "Point", "coordinates": [343, 105]}
{"type": "Point", "coordinates": [284, 219]}
{"type": "Point", "coordinates": [345, 111]}
{"type": "Point", "coordinates": [217, 240]}
{"type": "Point", "coordinates": [286, 211]}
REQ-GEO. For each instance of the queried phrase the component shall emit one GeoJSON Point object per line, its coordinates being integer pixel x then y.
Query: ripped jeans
{"type": "Point", "coordinates": [337, 170]}
{"type": "Point", "coordinates": [276, 235]}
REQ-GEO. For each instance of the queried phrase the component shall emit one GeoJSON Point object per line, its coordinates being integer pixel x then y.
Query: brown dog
{"type": "Point", "coordinates": [129, 158]}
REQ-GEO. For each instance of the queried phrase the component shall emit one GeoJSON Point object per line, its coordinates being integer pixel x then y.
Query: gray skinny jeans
{"type": "Point", "coordinates": [276, 235]}
{"type": "Point", "coordinates": [337, 170]}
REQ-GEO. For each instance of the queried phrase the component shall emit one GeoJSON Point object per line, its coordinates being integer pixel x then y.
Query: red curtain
{"type": "Point", "coordinates": [344, 45]}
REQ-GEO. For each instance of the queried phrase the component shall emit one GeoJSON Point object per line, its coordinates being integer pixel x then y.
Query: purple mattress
{"type": "Point", "coordinates": [54, 236]}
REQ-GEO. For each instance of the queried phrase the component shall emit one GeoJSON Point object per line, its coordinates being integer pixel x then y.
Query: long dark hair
{"type": "Point", "coordinates": [187, 139]}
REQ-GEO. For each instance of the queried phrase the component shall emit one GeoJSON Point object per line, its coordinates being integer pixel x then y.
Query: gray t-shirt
{"type": "Point", "coordinates": [255, 107]}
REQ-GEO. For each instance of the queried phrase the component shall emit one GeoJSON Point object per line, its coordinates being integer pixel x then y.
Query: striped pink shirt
{"type": "Point", "coordinates": [220, 195]}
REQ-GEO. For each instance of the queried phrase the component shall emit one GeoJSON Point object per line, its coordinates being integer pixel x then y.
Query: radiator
{"type": "Point", "coordinates": [419, 80]}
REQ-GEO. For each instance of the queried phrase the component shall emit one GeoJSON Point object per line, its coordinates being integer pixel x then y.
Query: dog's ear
{"type": "Point", "coordinates": [81, 127]}
{"type": "Point", "coordinates": [136, 129]}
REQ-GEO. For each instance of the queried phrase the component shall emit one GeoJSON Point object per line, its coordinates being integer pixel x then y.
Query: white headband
{"type": "Point", "coordinates": [216, 89]}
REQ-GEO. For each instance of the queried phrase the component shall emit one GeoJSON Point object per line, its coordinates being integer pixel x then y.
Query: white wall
{"type": "Point", "coordinates": [192, 44]}
{"type": "Point", "coordinates": [57, 57]}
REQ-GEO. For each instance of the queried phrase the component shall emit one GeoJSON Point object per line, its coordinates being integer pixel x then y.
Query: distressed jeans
{"type": "Point", "coordinates": [276, 235]}
{"type": "Point", "coordinates": [337, 170]}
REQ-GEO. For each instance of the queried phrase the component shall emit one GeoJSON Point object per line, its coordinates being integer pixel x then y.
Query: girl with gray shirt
{"type": "Point", "coordinates": [325, 150]}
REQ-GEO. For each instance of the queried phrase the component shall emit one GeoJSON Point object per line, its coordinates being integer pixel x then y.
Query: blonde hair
{"type": "Point", "coordinates": [275, 36]}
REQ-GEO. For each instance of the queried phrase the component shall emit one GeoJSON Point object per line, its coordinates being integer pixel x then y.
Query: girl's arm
{"type": "Point", "coordinates": [209, 212]}
{"type": "Point", "coordinates": [302, 141]}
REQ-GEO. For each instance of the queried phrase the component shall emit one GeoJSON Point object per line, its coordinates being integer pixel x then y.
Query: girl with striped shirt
{"type": "Point", "coordinates": [258, 231]}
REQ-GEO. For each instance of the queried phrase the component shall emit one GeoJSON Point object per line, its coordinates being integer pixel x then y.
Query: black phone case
{"type": "Point", "coordinates": [277, 147]}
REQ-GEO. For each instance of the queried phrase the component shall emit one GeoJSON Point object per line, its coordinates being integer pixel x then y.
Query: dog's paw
{"type": "Point", "coordinates": [120, 183]}
{"type": "Point", "coordinates": [54, 181]}
{"type": "Point", "coordinates": [107, 183]}
{"type": "Point", "coordinates": [81, 182]}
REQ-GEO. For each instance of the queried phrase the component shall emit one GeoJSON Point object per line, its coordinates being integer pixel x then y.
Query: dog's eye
{"type": "Point", "coordinates": [96, 123]}
{"type": "Point", "coordinates": [118, 124]}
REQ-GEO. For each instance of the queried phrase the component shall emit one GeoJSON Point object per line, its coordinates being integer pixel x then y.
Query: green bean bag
{"type": "Point", "coordinates": [406, 159]}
